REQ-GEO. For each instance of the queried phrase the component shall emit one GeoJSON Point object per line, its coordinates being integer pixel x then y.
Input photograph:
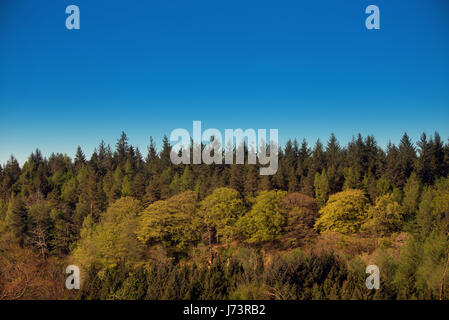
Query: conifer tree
{"type": "Point", "coordinates": [412, 190]}
{"type": "Point", "coordinates": [292, 179]}
{"type": "Point", "coordinates": [425, 164]}
{"type": "Point", "coordinates": [236, 179]}
{"type": "Point", "coordinates": [407, 158]}
{"type": "Point", "coordinates": [186, 181]}
{"type": "Point", "coordinates": [16, 218]}
{"type": "Point", "coordinates": [11, 174]}
{"type": "Point", "coordinates": [122, 149]}
{"type": "Point", "coordinates": [80, 158]}
{"type": "Point", "coordinates": [252, 180]}
{"type": "Point", "coordinates": [322, 189]}
{"type": "Point", "coordinates": [165, 153]}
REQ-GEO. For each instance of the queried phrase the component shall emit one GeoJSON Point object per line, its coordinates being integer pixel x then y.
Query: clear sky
{"type": "Point", "coordinates": [307, 68]}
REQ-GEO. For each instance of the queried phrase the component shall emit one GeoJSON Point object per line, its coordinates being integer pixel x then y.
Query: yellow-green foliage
{"type": "Point", "coordinates": [385, 217]}
{"type": "Point", "coordinates": [174, 221]}
{"type": "Point", "coordinates": [345, 212]}
{"type": "Point", "coordinates": [266, 220]}
{"type": "Point", "coordinates": [113, 239]}
{"type": "Point", "coordinates": [434, 207]}
{"type": "Point", "coordinates": [433, 263]}
{"type": "Point", "coordinates": [440, 202]}
{"type": "Point", "coordinates": [221, 210]}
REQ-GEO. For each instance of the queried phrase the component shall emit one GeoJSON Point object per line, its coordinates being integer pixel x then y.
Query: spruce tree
{"type": "Point", "coordinates": [16, 218]}
{"type": "Point", "coordinates": [425, 164]}
{"type": "Point", "coordinates": [252, 180]}
{"type": "Point", "coordinates": [80, 158]}
{"type": "Point", "coordinates": [407, 158]}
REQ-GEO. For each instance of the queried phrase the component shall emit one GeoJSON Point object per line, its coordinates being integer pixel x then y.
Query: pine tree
{"type": "Point", "coordinates": [357, 158]}
{"type": "Point", "coordinates": [334, 159]}
{"type": "Point", "coordinates": [165, 153]}
{"type": "Point", "coordinates": [290, 154]}
{"type": "Point", "coordinates": [236, 180]}
{"type": "Point", "coordinates": [446, 158]}
{"type": "Point", "coordinates": [11, 174]}
{"type": "Point", "coordinates": [138, 184]}
{"type": "Point", "coordinates": [126, 187]}
{"type": "Point", "coordinates": [303, 160]}
{"type": "Point", "coordinates": [292, 179]}
{"type": "Point", "coordinates": [350, 179]}
{"type": "Point", "coordinates": [333, 152]}
{"type": "Point", "coordinates": [187, 180]}
{"type": "Point", "coordinates": [393, 165]}
{"type": "Point", "coordinates": [16, 218]}
{"type": "Point", "coordinates": [152, 156]}
{"type": "Point", "coordinates": [265, 183]}
{"type": "Point", "coordinates": [318, 157]}
{"type": "Point", "coordinates": [425, 164]}
{"type": "Point", "coordinates": [152, 191]}
{"type": "Point", "coordinates": [251, 181]}
{"type": "Point", "coordinates": [412, 190]}
{"type": "Point", "coordinates": [80, 158]}
{"type": "Point", "coordinates": [122, 148]}
{"type": "Point", "coordinates": [322, 189]}
{"type": "Point", "coordinates": [175, 185]}
{"type": "Point", "coordinates": [407, 158]}
{"type": "Point", "coordinates": [438, 157]}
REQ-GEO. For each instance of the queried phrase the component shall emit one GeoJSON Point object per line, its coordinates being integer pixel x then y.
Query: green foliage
{"type": "Point", "coordinates": [345, 212]}
{"type": "Point", "coordinates": [221, 210]}
{"type": "Point", "coordinates": [113, 239]}
{"type": "Point", "coordinates": [350, 179]}
{"type": "Point", "coordinates": [265, 220]}
{"type": "Point", "coordinates": [386, 217]}
{"type": "Point", "coordinates": [384, 186]}
{"type": "Point", "coordinates": [174, 221]}
{"type": "Point", "coordinates": [322, 188]}
{"type": "Point", "coordinates": [298, 276]}
{"type": "Point", "coordinates": [412, 190]}
{"type": "Point", "coordinates": [186, 181]}
{"type": "Point", "coordinates": [409, 260]}
{"type": "Point", "coordinates": [16, 218]}
{"type": "Point", "coordinates": [431, 274]}
{"type": "Point", "coordinates": [433, 211]}
{"type": "Point", "coordinates": [126, 187]}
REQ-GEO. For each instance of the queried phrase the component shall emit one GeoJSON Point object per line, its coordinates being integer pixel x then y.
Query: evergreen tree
{"type": "Point", "coordinates": [393, 165]}
{"type": "Point", "coordinates": [186, 181]}
{"type": "Point", "coordinates": [236, 180]}
{"type": "Point", "coordinates": [252, 180]}
{"type": "Point", "coordinates": [321, 188]}
{"type": "Point", "coordinates": [407, 158]}
{"type": "Point", "coordinates": [11, 174]}
{"type": "Point", "coordinates": [412, 190]}
{"type": "Point", "coordinates": [17, 218]}
{"type": "Point", "coordinates": [122, 149]}
{"type": "Point", "coordinates": [165, 153]}
{"type": "Point", "coordinates": [425, 164]}
{"type": "Point", "coordinates": [80, 158]}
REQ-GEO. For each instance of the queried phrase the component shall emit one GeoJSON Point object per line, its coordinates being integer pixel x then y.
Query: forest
{"type": "Point", "coordinates": [140, 227]}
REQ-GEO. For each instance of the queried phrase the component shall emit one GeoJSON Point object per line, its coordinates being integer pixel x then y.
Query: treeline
{"type": "Point", "coordinates": [137, 224]}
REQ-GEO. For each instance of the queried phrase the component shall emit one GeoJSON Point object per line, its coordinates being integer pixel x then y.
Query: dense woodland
{"type": "Point", "coordinates": [142, 228]}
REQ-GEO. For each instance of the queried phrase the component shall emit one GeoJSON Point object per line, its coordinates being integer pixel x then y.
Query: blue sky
{"type": "Point", "coordinates": [307, 68]}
